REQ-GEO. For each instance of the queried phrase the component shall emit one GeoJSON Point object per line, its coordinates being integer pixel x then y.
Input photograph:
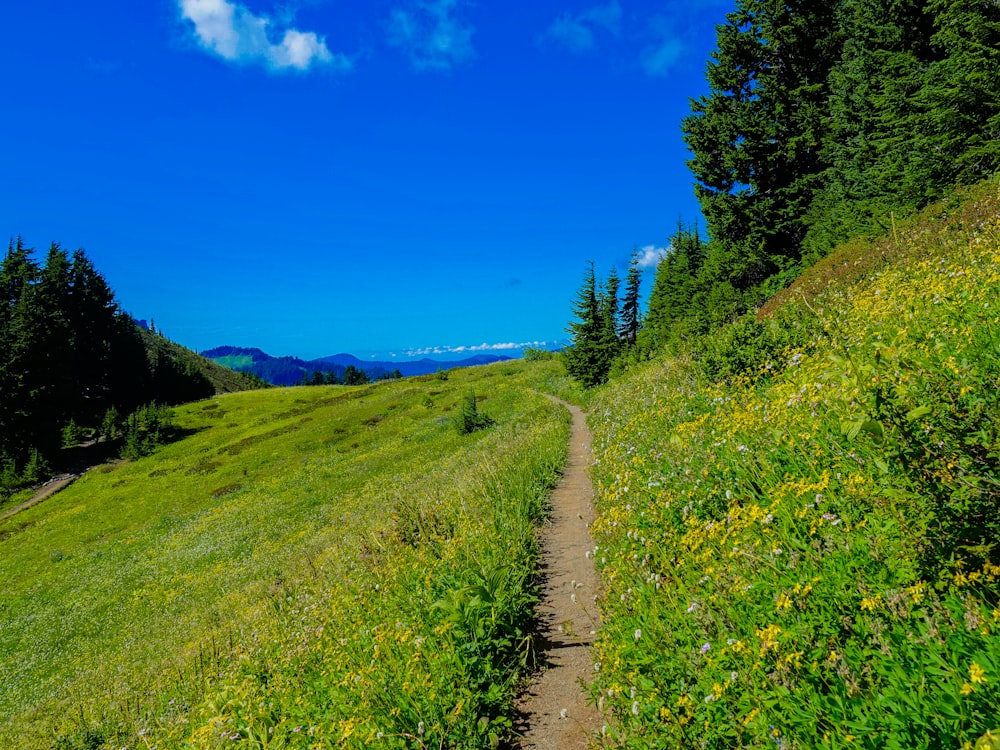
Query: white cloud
{"type": "Point", "coordinates": [650, 256]}
{"type": "Point", "coordinates": [234, 33]}
{"type": "Point", "coordinates": [430, 34]}
{"type": "Point", "coordinates": [659, 59]}
{"type": "Point", "coordinates": [477, 348]}
{"type": "Point", "coordinates": [576, 31]}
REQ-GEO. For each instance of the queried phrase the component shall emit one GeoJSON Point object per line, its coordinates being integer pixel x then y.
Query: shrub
{"type": "Point", "coordinates": [538, 355]}
{"type": "Point", "coordinates": [468, 419]}
{"type": "Point", "coordinates": [145, 429]}
{"type": "Point", "coordinates": [72, 434]}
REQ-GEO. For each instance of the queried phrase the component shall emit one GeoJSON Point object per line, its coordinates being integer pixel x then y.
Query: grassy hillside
{"type": "Point", "coordinates": [216, 375]}
{"type": "Point", "coordinates": [308, 567]}
{"type": "Point", "coordinates": [798, 532]}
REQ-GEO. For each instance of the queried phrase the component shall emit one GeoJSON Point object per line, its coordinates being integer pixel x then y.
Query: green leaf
{"type": "Point", "coordinates": [873, 428]}
{"type": "Point", "coordinates": [850, 429]}
{"type": "Point", "coordinates": [915, 414]}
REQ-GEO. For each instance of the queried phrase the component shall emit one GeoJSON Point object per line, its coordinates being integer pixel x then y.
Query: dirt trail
{"type": "Point", "coordinates": [555, 710]}
{"type": "Point", "coordinates": [47, 490]}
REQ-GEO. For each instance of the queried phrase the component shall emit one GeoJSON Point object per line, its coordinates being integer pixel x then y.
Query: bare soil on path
{"type": "Point", "coordinates": [555, 712]}
{"type": "Point", "coordinates": [76, 462]}
{"type": "Point", "coordinates": [46, 491]}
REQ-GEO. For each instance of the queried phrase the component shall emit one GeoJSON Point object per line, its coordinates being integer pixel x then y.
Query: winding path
{"type": "Point", "coordinates": [555, 709]}
{"type": "Point", "coordinates": [47, 490]}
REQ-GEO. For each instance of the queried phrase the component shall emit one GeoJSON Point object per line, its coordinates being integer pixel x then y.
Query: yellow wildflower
{"type": "Point", "coordinates": [977, 674]}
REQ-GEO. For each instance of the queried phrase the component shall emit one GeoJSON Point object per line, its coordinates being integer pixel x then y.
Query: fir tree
{"type": "Point", "coordinates": [756, 137]}
{"type": "Point", "coordinates": [18, 275]}
{"type": "Point", "coordinates": [590, 355]}
{"type": "Point", "coordinates": [962, 92]}
{"type": "Point", "coordinates": [877, 163]}
{"type": "Point", "coordinates": [676, 293]}
{"type": "Point", "coordinates": [355, 376]}
{"type": "Point", "coordinates": [608, 309]}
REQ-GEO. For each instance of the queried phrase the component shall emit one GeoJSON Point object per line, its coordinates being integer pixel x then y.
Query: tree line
{"type": "Point", "coordinates": [824, 120]}
{"type": "Point", "coordinates": [71, 361]}
{"type": "Point", "coordinates": [352, 376]}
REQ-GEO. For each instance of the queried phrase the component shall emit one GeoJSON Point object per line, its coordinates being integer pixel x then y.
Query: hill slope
{"type": "Point", "coordinates": [219, 378]}
{"type": "Point", "coordinates": [324, 564]}
{"type": "Point", "coordinates": [290, 370]}
{"type": "Point", "coordinates": [798, 527]}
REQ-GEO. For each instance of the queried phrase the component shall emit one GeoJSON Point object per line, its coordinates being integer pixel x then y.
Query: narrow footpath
{"type": "Point", "coordinates": [555, 710]}
{"type": "Point", "coordinates": [46, 491]}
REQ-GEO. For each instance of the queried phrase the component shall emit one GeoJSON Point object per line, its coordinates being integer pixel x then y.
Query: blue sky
{"type": "Point", "coordinates": [321, 176]}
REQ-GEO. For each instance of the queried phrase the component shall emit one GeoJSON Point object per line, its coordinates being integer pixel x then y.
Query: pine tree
{"type": "Point", "coordinates": [51, 358]}
{"type": "Point", "coordinates": [355, 376]}
{"type": "Point", "coordinates": [93, 314]}
{"type": "Point", "coordinates": [608, 307]}
{"type": "Point", "coordinates": [756, 137]}
{"type": "Point", "coordinates": [962, 92]}
{"type": "Point", "coordinates": [18, 275]}
{"type": "Point", "coordinates": [878, 162]}
{"type": "Point", "coordinates": [629, 328]}
{"type": "Point", "coordinates": [676, 294]}
{"type": "Point", "coordinates": [588, 358]}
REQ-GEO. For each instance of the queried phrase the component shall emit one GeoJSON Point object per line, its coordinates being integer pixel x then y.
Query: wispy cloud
{"type": "Point", "coordinates": [659, 59]}
{"type": "Point", "coordinates": [478, 348]}
{"type": "Point", "coordinates": [232, 32]}
{"type": "Point", "coordinates": [431, 35]}
{"type": "Point", "coordinates": [651, 255]}
{"type": "Point", "coordinates": [577, 31]}
{"type": "Point", "coordinates": [671, 36]}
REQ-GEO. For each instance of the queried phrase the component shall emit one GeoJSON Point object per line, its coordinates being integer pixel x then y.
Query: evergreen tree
{"type": "Point", "coordinates": [97, 337]}
{"type": "Point", "coordinates": [589, 357]}
{"type": "Point", "coordinates": [18, 275]}
{"type": "Point", "coordinates": [469, 419]}
{"type": "Point", "coordinates": [878, 162]}
{"type": "Point", "coordinates": [962, 95]}
{"type": "Point", "coordinates": [629, 327]}
{"type": "Point", "coordinates": [52, 360]}
{"type": "Point", "coordinates": [608, 306]}
{"type": "Point", "coordinates": [676, 293]}
{"type": "Point", "coordinates": [355, 376]}
{"type": "Point", "coordinates": [756, 137]}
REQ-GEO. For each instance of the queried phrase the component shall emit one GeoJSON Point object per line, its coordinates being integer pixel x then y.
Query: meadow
{"type": "Point", "coordinates": [306, 567]}
{"type": "Point", "coordinates": [798, 522]}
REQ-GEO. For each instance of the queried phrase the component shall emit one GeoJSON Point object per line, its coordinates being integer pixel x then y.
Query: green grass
{"type": "Point", "coordinates": [804, 554]}
{"type": "Point", "coordinates": [237, 581]}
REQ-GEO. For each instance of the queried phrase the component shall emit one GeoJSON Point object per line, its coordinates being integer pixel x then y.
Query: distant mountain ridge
{"type": "Point", "coordinates": [417, 367]}
{"type": "Point", "coordinates": [290, 370]}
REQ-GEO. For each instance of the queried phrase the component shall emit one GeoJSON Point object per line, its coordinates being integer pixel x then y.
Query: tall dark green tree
{"type": "Point", "coordinates": [97, 339]}
{"type": "Point", "coordinates": [355, 376]}
{"type": "Point", "coordinates": [877, 161]}
{"type": "Point", "coordinates": [591, 353]}
{"type": "Point", "coordinates": [628, 330]}
{"type": "Point", "coordinates": [608, 309]}
{"type": "Point", "coordinates": [18, 275]}
{"type": "Point", "coordinates": [677, 290]}
{"type": "Point", "coordinates": [962, 91]}
{"type": "Point", "coordinates": [757, 137]}
{"type": "Point", "coordinates": [52, 357]}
